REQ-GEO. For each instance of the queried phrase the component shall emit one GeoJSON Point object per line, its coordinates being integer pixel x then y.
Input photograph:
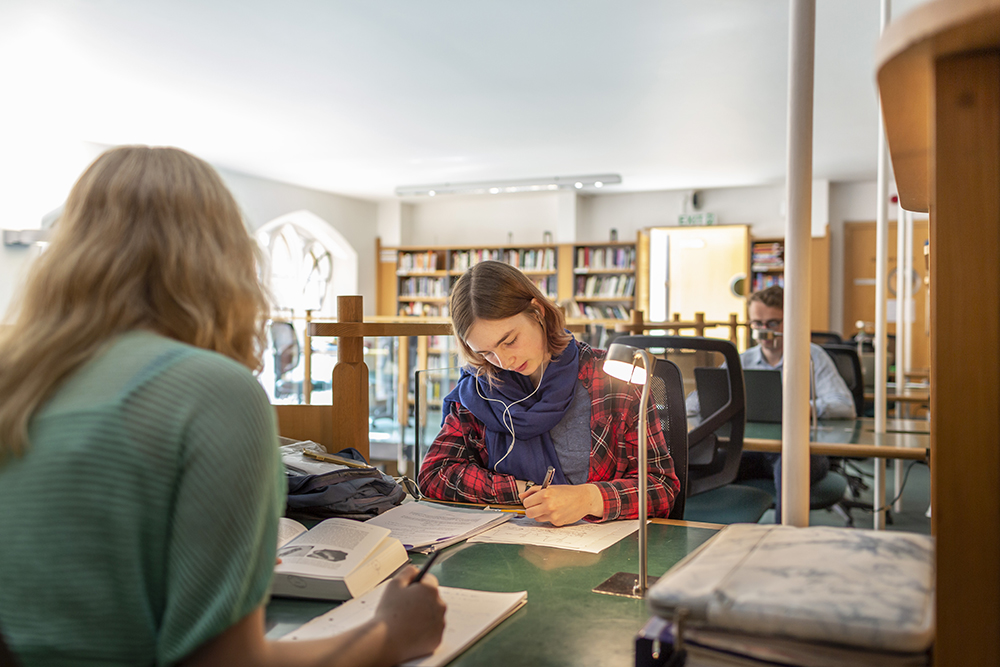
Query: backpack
{"type": "Point", "coordinates": [352, 493]}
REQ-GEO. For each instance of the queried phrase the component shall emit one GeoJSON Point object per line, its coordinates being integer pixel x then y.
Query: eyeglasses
{"type": "Point", "coordinates": [769, 324]}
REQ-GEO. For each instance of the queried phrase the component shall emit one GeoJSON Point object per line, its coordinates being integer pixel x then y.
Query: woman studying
{"type": "Point", "coordinates": [534, 398]}
{"type": "Point", "coordinates": [139, 472]}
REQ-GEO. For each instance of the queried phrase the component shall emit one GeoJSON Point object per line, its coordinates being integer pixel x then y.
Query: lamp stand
{"type": "Point", "coordinates": [626, 584]}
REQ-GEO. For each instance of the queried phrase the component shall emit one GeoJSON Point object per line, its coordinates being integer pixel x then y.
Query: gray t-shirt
{"type": "Point", "coordinates": [572, 438]}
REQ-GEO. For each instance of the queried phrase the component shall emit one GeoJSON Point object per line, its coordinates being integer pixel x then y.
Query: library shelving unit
{"type": "Point", "coordinates": [767, 263]}
{"type": "Point", "coordinates": [604, 280]}
{"type": "Point", "coordinates": [424, 276]}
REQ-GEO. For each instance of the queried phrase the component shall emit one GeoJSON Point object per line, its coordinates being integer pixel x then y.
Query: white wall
{"type": "Point", "coordinates": [484, 219]}
{"type": "Point", "coordinates": [260, 200]}
{"type": "Point", "coordinates": [357, 220]}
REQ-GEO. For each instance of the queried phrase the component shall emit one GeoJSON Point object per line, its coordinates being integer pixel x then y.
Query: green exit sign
{"type": "Point", "coordinates": [697, 219]}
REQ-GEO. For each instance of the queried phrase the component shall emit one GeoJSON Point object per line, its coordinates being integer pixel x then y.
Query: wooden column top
{"type": "Point", "coordinates": [905, 57]}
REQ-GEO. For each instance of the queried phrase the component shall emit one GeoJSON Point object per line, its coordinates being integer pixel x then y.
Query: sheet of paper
{"type": "Point", "coordinates": [420, 524]}
{"type": "Point", "coordinates": [470, 615]}
{"type": "Point", "coordinates": [581, 536]}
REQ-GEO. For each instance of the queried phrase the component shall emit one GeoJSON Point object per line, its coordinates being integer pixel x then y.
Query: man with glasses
{"type": "Point", "coordinates": [832, 399]}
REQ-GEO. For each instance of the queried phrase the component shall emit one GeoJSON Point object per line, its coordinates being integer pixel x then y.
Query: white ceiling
{"type": "Point", "coordinates": [359, 97]}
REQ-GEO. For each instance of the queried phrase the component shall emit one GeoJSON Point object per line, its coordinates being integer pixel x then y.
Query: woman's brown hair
{"type": "Point", "coordinates": [494, 291]}
{"type": "Point", "coordinates": [151, 239]}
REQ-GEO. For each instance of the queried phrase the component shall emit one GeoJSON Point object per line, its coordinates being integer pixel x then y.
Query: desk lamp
{"type": "Point", "coordinates": [620, 363]}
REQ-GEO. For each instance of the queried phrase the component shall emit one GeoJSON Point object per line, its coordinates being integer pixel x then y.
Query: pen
{"type": "Point", "coordinates": [427, 566]}
{"type": "Point", "coordinates": [331, 458]}
{"type": "Point", "coordinates": [548, 477]}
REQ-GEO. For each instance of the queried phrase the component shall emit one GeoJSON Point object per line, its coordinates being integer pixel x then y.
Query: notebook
{"type": "Point", "coordinates": [763, 389]}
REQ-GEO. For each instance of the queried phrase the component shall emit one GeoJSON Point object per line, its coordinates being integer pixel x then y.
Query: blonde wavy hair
{"type": "Point", "coordinates": [494, 291]}
{"type": "Point", "coordinates": [151, 239]}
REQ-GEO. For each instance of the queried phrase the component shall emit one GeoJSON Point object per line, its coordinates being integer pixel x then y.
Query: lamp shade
{"type": "Point", "coordinates": [620, 363]}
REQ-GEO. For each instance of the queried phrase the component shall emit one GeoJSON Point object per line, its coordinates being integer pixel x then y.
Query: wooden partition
{"type": "Point", "coordinates": [939, 81]}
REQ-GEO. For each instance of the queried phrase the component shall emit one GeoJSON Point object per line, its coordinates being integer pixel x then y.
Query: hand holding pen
{"type": "Point", "coordinates": [562, 504]}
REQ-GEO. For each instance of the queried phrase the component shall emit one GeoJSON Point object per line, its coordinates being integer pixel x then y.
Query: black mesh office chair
{"type": "Point", "coordinates": [715, 444]}
{"type": "Point", "coordinates": [666, 389]}
{"type": "Point", "coordinates": [848, 364]}
{"type": "Point", "coordinates": [826, 338]}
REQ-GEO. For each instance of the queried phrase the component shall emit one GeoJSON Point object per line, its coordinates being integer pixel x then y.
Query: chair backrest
{"type": "Point", "coordinates": [7, 657]}
{"type": "Point", "coordinates": [848, 363]}
{"type": "Point", "coordinates": [286, 347]}
{"type": "Point", "coordinates": [715, 444]}
{"type": "Point", "coordinates": [421, 378]}
{"type": "Point", "coordinates": [826, 338]}
{"type": "Point", "coordinates": [666, 387]}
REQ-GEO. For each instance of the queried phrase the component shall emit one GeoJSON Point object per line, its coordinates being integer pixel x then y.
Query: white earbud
{"type": "Point", "coordinates": [506, 419]}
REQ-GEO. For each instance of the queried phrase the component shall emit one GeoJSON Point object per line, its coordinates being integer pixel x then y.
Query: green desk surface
{"type": "Point", "coordinates": [564, 622]}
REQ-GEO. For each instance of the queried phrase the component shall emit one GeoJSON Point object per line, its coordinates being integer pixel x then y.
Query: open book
{"type": "Point", "coordinates": [337, 560]}
{"type": "Point", "coordinates": [470, 615]}
{"type": "Point", "coordinates": [427, 527]}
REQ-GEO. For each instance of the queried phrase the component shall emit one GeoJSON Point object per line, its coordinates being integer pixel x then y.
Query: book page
{"type": "Point", "coordinates": [421, 524]}
{"type": "Point", "coordinates": [333, 548]}
{"type": "Point", "coordinates": [470, 615]}
{"type": "Point", "coordinates": [288, 530]}
{"type": "Point", "coordinates": [580, 536]}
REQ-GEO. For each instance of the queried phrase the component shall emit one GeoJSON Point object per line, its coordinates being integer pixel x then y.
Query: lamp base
{"type": "Point", "coordinates": [624, 584]}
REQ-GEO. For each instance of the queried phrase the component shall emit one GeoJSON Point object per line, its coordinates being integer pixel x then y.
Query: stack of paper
{"type": "Point", "coordinates": [581, 536]}
{"type": "Point", "coordinates": [470, 615]}
{"type": "Point", "coordinates": [426, 527]}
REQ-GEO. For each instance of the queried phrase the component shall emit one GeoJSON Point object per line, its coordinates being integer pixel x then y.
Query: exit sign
{"type": "Point", "coordinates": [688, 219]}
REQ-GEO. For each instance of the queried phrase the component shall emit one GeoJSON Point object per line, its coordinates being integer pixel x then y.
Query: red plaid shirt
{"type": "Point", "coordinates": [456, 466]}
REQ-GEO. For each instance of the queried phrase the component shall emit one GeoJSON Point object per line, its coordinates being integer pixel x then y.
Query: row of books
{"type": "Point", "coordinates": [540, 259]}
{"type": "Point", "coordinates": [605, 258]}
{"type": "Point", "coordinates": [431, 287]}
{"type": "Point", "coordinates": [766, 256]}
{"type": "Point", "coordinates": [764, 280]}
{"type": "Point", "coordinates": [609, 286]}
{"type": "Point", "coordinates": [604, 311]}
{"type": "Point", "coordinates": [547, 285]}
{"type": "Point", "coordinates": [414, 309]}
{"type": "Point", "coordinates": [418, 261]}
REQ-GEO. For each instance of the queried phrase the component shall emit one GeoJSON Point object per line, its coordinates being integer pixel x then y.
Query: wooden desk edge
{"type": "Point", "coordinates": [843, 449]}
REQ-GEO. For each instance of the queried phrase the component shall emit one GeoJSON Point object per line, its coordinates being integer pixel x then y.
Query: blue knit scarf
{"type": "Point", "coordinates": [531, 419]}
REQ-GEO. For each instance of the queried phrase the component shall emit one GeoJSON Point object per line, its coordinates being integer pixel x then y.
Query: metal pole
{"type": "Point", "coordinates": [647, 363]}
{"type": "Point", "coordinates": [881, 265]}
{"type": "Point", "coordinates": [798, 231]}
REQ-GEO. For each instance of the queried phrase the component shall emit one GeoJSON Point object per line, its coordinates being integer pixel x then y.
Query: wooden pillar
{"type": "Point", "coordinates": [733, 328]}
{"type": "Point", "coordinates": [403, 383]}
{"type": "Point", "coordinates": [350, 379]}
{"type": "Point", "coordinates": [699, 324]}
{"type": "Point", "coordinates": [965, 325]}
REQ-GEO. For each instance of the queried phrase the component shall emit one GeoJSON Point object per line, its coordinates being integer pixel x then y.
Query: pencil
{"type": "Point", "coordinates": [426, 566]}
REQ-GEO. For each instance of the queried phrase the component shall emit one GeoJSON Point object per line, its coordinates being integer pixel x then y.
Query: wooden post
{"type": "Point", "coordinates": [403, 383]}
{"type": "Point", "coordinates": [699, 325]}
{"type": "Point", "coordinates": [350, 379]}
{"type": "Point", "coordinates": [732, 328]}
{"type": "Point", "coordinates": [307, 384]}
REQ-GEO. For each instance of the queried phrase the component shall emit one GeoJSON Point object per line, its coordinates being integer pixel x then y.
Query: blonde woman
{"type": "Point", "coordinates": [535, 398]}
{"type": "Point", "coordinates": [139, 475]}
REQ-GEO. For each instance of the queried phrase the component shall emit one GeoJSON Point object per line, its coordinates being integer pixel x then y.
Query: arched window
{"type": "Point", "coordinates": [309, 263]}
